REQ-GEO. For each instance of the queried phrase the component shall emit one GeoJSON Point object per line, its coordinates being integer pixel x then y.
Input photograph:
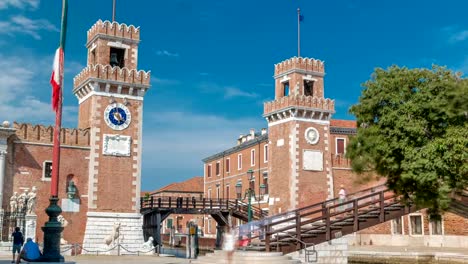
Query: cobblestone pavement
{"type": "Point", "coordinates": [111, 260]}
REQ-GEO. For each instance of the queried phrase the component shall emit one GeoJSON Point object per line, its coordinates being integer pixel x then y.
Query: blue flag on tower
{"type": "Point", "coordinates": [301, 18]}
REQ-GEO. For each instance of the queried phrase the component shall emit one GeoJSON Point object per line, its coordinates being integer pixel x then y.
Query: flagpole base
{"type": "Point", "coordinates": [52, 231]}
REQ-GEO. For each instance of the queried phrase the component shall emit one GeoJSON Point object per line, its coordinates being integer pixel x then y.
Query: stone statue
{"type": "Point", "coordinates": [148, 244]}
{"type": "Point", "coordinates": [114, 236]}
{"type": "Point", "coordinates": [22, 199]}
{"type": "Point", "coordinates": [64, 223]}
{"type": "Point", "coordinates": [31, 203]}
{"type": "Point", "coordinates": [14, 202]}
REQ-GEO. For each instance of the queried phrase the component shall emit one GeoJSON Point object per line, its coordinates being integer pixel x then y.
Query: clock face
{"type": "Point", "coordinates": [117, 116]}
{"type": "Point", "coordinates": [312, 135]}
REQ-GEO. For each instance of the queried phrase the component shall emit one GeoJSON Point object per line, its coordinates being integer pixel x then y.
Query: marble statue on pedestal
{"type": "Point", "coordinates": [31, 202]}
{"type": "Point", "coordinates": [22, 199]}
{"type": "Point", "coordinates": [14, 202]}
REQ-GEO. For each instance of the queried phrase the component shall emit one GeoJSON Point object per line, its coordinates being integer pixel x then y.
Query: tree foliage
{"type": "Point", "coordinates": [412, 130]}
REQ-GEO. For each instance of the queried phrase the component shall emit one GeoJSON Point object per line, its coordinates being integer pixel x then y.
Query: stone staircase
{"type": "Point", "coordinates": [244, 257]}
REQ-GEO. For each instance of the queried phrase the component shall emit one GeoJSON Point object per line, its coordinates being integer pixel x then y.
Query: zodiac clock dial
{"type": "Point", "coordinates": [117, 116]}
{"type": "Point", "coordinates": [312, 135]}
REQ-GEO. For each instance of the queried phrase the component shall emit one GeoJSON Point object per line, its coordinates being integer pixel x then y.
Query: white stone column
{"type": "Point", "coordinates": [2, 170]}
{"type": "Point", "coordinates": [5, 132]}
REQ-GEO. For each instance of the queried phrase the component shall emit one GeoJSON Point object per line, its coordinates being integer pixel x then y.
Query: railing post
{"type": "Point", "coordinates": [356, 216]}
{"type": "Point", "coordinates": [267, 238]}
{"type": "Point", "coordinates": [159, 202]}
{"type": "Point", "coordinates": [227, 204]}
{"type": "Point", "coordinates": [151, 201]}
{"type": "Point", "coordinates": [382, 207]}
{"type": "Point", "coordinates": [211, 203]}
{"type": "Point", "coordinates": [203, 203]}
{"type": "Point", "coordinates": [170, 202]}
{"type": "Point", "coordinates": [298, 230]}
{"type": "Point", "coordinates": [327, 224]}
{"type": "Point", "coordinates": [187, 202]}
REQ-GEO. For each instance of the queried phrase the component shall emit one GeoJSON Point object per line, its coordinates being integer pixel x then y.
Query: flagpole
{"type": "Point", "coordinates": [298, 32]}
{"type": "Point", "coordinates": [52, 229]}
{"type": "Point", "coordinates": [113, 10]}
{"type": "Point", "coordinates": [58, 113]}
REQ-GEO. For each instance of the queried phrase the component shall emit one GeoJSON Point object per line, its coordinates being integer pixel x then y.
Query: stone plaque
{"type": "Point", "coordinates": [71, 205]}
{"type": "Point", "coordinates": [313, 160]}
{"type": "Point", "coordinates": [116, 145]}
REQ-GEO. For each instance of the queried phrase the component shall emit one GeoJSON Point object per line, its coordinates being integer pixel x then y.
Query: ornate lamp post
{"type": "Point", "coordinates": [249, 193]}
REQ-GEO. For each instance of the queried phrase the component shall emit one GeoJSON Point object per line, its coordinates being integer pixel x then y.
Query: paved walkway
{"type": "Point", "coordinates": [458, 255]}
{"type": "Point", "coordinates": [111, 260]}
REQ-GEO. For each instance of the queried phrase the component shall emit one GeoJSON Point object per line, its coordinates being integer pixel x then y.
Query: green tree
{"type": "Point", "coordinates": [412, 130]}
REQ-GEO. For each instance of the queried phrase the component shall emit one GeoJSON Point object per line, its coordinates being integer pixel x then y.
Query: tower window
{"type": "Point", "coordinates": [265, 181]}
{"type": "Point", "coordinates": [436, 227]}
{"type": "Point", "coordinates": [47, 171]}
{"type": "Point", "coordinates": [117, 57]}
{"type": "Point", "coordinates": [416, 225]}
{"type": "Point", "coordinates": [340, 146]}
{"type": "Point", "coordinates": [308, 88]}
{"type": "Point", "coordinates": [208, 171]}
{"type": "Point", "coordinates": [286, 88]}
{"type": "Point", "coordinates": [93, 56]}
{"type": "Point", "coordinates": [397, 226]}
{"type": "Point", "coordinates": [228, 164]}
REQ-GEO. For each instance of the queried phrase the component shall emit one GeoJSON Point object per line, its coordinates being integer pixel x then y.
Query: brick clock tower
{"type": "Point", "coordinates": [298, 123]}
{"type": "Point", "coordinates": [110, 92]}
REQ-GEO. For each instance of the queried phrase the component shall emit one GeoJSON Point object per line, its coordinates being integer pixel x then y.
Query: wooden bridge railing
{"type": "Point", "coordinates": [234, 205]}
{"type": "Point", "coordinates": [323, 215]}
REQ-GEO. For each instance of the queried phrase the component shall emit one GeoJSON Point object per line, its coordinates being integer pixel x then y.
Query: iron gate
{"type": "Point", "coordinates": [10, 221]}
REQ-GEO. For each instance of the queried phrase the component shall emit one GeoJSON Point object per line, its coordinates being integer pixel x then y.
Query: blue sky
{"type": "Point", "coordinates": [212, 61]}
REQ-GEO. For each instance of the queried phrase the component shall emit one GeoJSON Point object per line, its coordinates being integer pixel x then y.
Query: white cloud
{"type": "Point", "coordinates": [161, 81]}
{"type": "Point", "coordinates": [24, 25]}
{"type": "Point", "coordinates": [227, 91]}
{"type": "Point", "coordinates": [231, 92]}
{"type": "Point", "coordinates": [166, 53]}
{"type": "Point", "coordinates": [21, 4]}
{"type": "Point", "coordinates": [19, 84]}
{"type": "Point", "coordinates": [173, 137]}
{"type": "Point", "coordinates": [455, 34]}
{"type": "Point", "coordinates": [459, 36]}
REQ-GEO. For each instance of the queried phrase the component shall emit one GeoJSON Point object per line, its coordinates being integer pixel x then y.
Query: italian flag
{"type": "Point", "coordinates": [56, 78]}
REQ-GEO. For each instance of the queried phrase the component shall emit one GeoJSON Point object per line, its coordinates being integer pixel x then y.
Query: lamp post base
{"type": "Point", "coordinates": [52, 231]}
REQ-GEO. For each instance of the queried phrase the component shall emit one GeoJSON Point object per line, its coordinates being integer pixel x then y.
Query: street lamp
{"type": "Point", "coordinates": [250, 192]}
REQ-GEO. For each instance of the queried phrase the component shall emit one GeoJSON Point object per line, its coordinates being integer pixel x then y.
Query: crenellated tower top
{"type": "Point", "coordinates": [299, 63]}
{"type": "Point", "coordinates": [112, 65]}
{"type": "Point", "coordinates": [113, 30]}
{"type": "Point", "coordinates": [299, 90]}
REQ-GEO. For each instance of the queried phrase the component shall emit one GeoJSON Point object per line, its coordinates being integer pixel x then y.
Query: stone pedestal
{"type": "Point", "coordinates": [30, 227]}
{"type": "Point", "coordinates": [100, 227]}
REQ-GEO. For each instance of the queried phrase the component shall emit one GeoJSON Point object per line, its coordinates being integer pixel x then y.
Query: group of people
{"type": "Point", "coordinates": [29, 252]}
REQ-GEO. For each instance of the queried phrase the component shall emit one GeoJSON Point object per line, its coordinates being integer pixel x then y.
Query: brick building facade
{"type": "Point", "coordinates": [101, 157]}
{"type": "Point", "coordinates": [301, 160]}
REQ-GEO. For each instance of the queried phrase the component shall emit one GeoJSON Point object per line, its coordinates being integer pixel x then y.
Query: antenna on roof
{"type": "Point", "coordinates": [113, 10]}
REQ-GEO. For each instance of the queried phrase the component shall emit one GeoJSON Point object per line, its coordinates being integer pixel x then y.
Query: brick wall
{"type": "Point", "coordinates": [230, 178]}
{"type": "Point", "coordinates": [26, 171]}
